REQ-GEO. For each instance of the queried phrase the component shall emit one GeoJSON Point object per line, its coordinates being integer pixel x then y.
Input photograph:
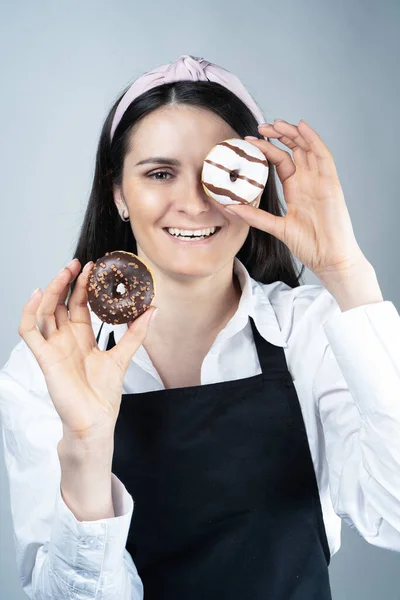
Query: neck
{"type": "Point", "coordinates": [193, 309]}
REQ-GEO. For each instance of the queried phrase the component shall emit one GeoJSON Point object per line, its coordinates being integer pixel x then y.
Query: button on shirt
{"type": "Point", "coordinates": [346, 370]}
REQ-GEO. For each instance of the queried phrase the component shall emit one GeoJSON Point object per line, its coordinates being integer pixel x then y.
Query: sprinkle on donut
{"type": "Point", "coordinates": [120, 287]}
{"type": "Point", "coordinates": [234, 172]}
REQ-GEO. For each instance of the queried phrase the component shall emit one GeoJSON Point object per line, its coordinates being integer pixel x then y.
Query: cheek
{"type": "Point", "coordinates": [241, 230]}
{"type": "Point", "coordinates": [237, 233]}
{"type": "Point", "coordinates": [146, 206]}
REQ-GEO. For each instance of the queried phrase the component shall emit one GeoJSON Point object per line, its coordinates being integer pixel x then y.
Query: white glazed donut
{"type": "Point", "coordinates": [234, 172]}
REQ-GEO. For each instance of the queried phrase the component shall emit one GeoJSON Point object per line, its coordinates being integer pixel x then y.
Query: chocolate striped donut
{"type": "Point", "coordinates": [234, 172]}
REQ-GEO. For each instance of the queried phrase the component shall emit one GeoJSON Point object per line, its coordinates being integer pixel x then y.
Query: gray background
{"type": "Point", "coordinates": [335, 64]}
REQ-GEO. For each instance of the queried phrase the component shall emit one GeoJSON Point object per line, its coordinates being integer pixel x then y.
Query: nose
{"type": "Point", "coordinates": [193, 200]}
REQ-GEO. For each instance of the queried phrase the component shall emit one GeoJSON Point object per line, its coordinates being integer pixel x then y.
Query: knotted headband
{"type": "Point", "coordinates": [185, 68]}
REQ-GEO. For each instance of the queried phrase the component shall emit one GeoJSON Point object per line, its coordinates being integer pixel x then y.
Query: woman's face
{"type": "Point", "coordinates": [175, 198]}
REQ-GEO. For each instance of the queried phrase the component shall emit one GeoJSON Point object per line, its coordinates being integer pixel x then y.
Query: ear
{"type": "Point", "coordinates": [119, 203]}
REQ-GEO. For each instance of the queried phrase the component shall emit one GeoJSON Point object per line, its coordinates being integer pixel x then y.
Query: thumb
{"type": "Point", "coordinates": [133, 338]}
{"type": "Point", "coordinates": [259, 218]}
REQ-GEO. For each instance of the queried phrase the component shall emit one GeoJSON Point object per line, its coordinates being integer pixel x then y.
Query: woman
{"type": "Point", "coordinates": [238, 475]}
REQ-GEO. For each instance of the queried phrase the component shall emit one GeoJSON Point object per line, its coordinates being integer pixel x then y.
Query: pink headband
{"type": "Point", "coordinates": [185, 68]}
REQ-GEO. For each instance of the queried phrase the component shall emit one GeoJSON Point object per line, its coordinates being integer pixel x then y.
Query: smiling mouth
{"type": "Point", "coordinates": [189, 238]}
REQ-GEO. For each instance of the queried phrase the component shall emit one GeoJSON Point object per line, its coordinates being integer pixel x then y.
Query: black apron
{"type": "Point", "coordinates": [225, 493]}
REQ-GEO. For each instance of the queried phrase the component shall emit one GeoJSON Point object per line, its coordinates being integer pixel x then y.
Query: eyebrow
{"type": "Point", "coordinates": [158, 160]}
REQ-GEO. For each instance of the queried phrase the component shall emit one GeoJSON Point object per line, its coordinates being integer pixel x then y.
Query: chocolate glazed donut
{"type": "Point", "coordinates": [120, 287]}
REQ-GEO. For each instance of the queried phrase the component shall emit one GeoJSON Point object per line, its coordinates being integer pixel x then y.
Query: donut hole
{"type": "Point", "coordinates": [233, 175]}
{"type": "Point", "coordinates": [121, 289]}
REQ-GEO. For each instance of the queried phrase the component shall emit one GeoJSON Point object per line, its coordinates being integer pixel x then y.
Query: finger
{"type": "Point", "coordinates": [260, 219]}
{"type": "Point", "coordinates": [282, 160]}
{"type": "Point", "coordinates": [285, 132]}
{"type": "Point", "coordinates": [309, 159]}
{"type": "Point", "coordinates": [61, 314]}
{"type": "Point", "coordinates": [132, 339]}
{"type": "Point", "coordinates": [27, 327]}
{"type": "Point", "coordinates": [321, 153]}
{"type": "Point", "coordinates": [293, 139]}
{"type": "Point", "coordinates": [78, 302]}
{"type": "Point", "coordinates": [66, 289]}
{"type": "Point", "coordinates": [50, 301]}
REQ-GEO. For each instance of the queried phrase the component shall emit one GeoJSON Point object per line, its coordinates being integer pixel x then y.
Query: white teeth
{"type": "Point", "coordinates": [188, 233]}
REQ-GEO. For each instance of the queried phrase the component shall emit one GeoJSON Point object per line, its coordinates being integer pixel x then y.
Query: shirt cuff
{"type": "Point", "coordinates": [80, 552]}
{"type": "Point", "coordinates": [366, 343]}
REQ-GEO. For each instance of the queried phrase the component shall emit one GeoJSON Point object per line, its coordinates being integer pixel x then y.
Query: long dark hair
{"type": "Point", "coordinates": [266, 258]}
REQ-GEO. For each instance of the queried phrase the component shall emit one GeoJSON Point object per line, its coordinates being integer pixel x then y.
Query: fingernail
{"type": "Point", "coordinates": [153, 315]}
{"type": "Point", "coordinates": [68, 265]}
{"type": "Point", "coordinates": [251, 137]}
{"type": "Point", "coordinates": [89, 264]}
{"type": "Point", "coordinates": [72, 262]}
{"type": "Point", "coordinates": [34, 292]}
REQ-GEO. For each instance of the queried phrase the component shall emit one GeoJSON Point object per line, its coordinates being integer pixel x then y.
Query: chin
{"type": "Point", "coordinates": [183, 263]}
{"type": "Point", "coordinates": [189, 269]}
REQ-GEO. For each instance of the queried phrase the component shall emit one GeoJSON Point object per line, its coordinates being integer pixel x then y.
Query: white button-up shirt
{"type": "Point", "coordinates": [346, 370]}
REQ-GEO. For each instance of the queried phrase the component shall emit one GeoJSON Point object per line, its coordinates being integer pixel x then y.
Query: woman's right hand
{"type": "Point", "coordinates": [84, 382]}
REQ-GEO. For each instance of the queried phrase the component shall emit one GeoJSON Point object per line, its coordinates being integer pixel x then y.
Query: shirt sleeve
{"type": "Point", "coordinates": [357, 390]}
{"type": "Point", "coordinates": [57, 556]}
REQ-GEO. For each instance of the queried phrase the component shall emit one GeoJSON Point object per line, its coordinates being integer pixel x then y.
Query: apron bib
{"type": "Point", "coordinates": [226, 498]}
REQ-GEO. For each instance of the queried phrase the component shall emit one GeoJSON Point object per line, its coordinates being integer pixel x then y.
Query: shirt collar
{"type": "Point", "coordinates": [253, 302]}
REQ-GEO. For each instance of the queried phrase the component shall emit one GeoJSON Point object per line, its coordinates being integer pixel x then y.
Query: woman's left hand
{"type": "Point", "coordinates": [317, 226]}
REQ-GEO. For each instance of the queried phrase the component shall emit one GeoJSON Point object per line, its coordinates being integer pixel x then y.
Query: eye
{"type": "Point", "coordinates": [157, 173]}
